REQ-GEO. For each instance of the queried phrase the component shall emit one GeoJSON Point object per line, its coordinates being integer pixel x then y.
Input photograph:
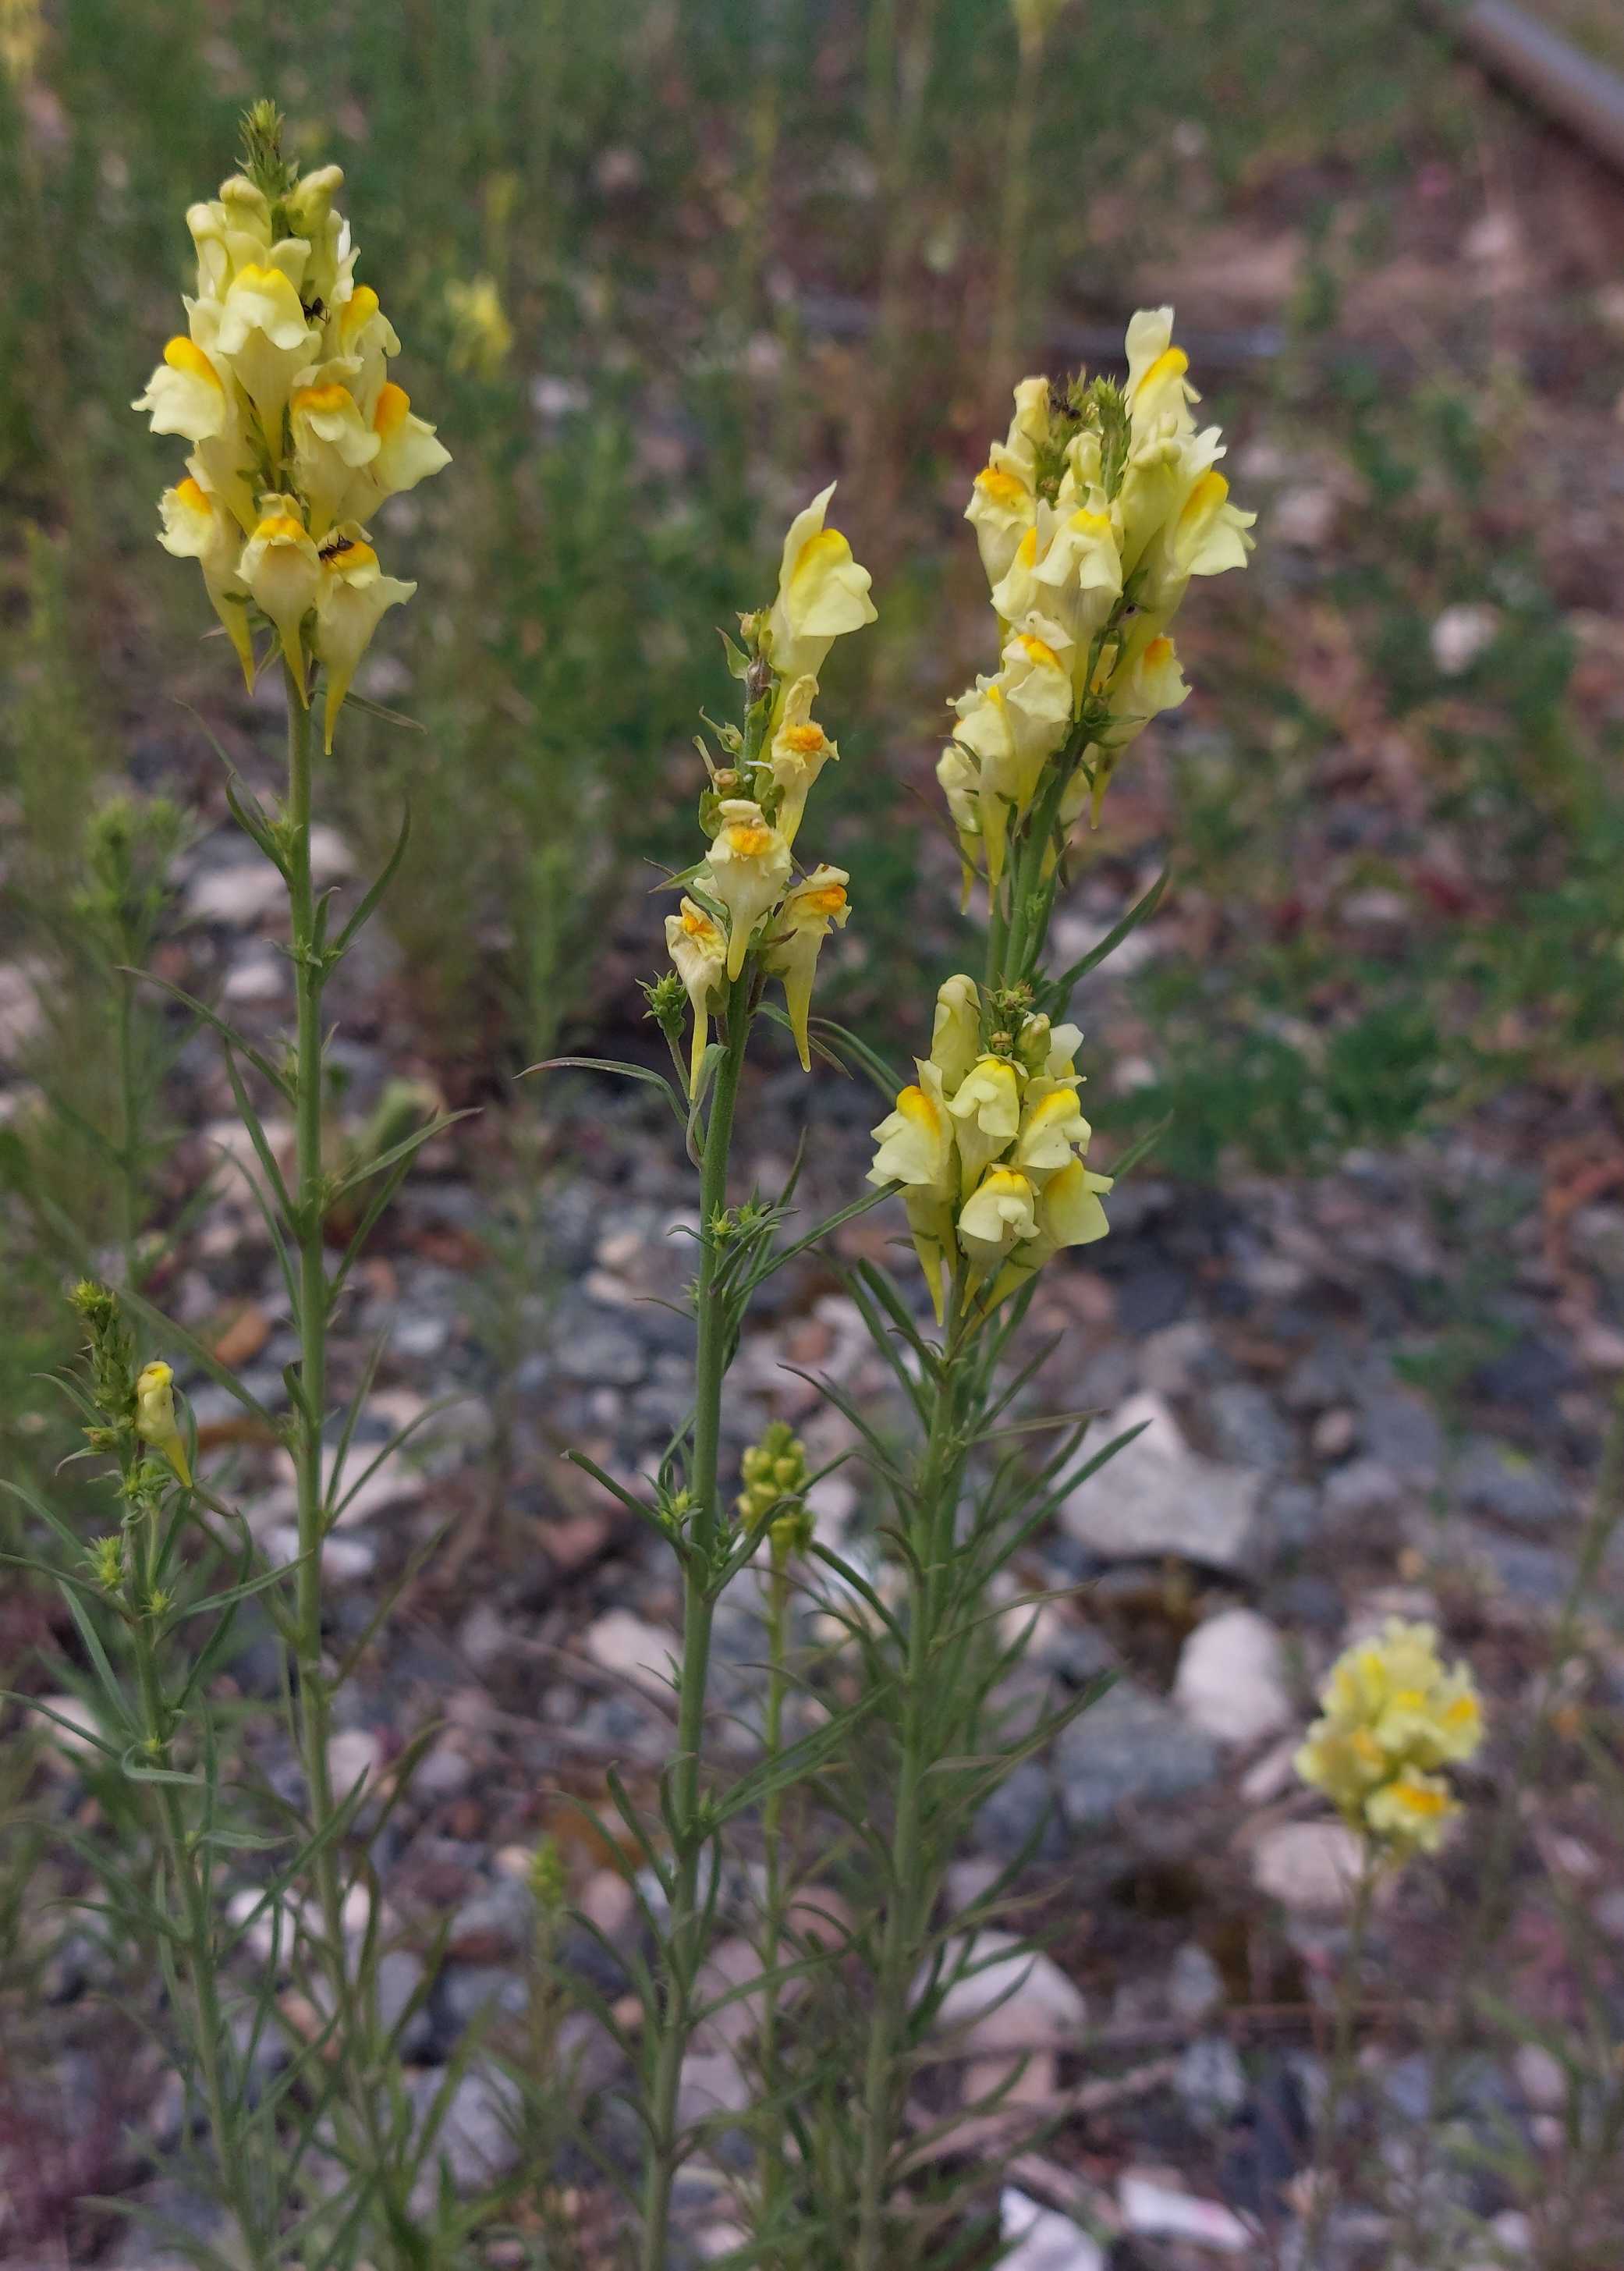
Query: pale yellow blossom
{"type": "Point", "coordinates": [699, 955]}
{"type": "Point", "coordinates": [987, 1115]}
{"type": "Point", "coordinates": [746, 868]}
{"type": "Point", "coordinates": [1000, 1212]}
{"type": "Point", "coordinates": [196, 527]}
{"type": "Point", "coordinates": [283, 572]}
{"type": "Point", "coordinates": [799, 751]}
{"type": "Point", "coordinates": [823, 594]}
{"type": "Point", "coordinates": [155, 1416]}
{"type": "Point", "coordinates": [352, 599]}
{"type": "Point", "coordinates": [1392, 1715]}
{"type": "Point", "coordinates": [811, 908]}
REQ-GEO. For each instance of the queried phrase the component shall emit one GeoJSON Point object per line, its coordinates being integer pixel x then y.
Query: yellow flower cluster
{"type": "Point", "coordinates": [1092, 515]}
{"type": "Point", "coordinates": [1393, 1716]}
{"type": "Point", "coordinates": [21, 37]}
{"type": "Point", "coordinates": [990, 1148]}
{"type": "Point", "coordinates": [746, 895]}
{"type": "Point", "coordinates": [281, 383]}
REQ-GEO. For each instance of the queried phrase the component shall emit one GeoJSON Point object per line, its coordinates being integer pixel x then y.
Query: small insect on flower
{"type": "Point", "coordinates": [155, 1421]}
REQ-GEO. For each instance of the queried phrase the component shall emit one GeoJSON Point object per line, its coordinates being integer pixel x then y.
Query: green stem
{"type": "Point", "coordinates": [1029, 901]}
{"type": "Point", "coordinates": [1341, 2072]}
{"type": "Point", "coordinates": [310, 978]}
{"type": "Point", "coordinates": [910, 1890]}
{"type": "Point", "coordinates": [359, 2108]}
{"type": "Point", "coordinates": [775, 2173]}
{"type": "Point", "coordinates": [130, 1130]}
{"type": "Point", "coordinates": [208, 2024]}
{"type": "Point", "coordinates": [684, 1950]}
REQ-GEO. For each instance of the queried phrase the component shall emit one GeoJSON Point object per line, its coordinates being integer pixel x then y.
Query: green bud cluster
{"type": "Point", "coordinates": [548, 1886]}
{"type": "Point", "coordinates": [774, 1474]}
{"type": "Point", "coordinates": [111, 1351]}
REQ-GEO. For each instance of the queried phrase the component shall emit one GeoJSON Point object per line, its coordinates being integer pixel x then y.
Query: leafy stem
{"type": "Point", "coordinates": [685, 1945]}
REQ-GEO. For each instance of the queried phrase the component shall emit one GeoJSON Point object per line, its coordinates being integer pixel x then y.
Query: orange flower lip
{"type": "Point", "coordinates": [393, 403]}
{"type": "Point", "coordinates": [332, 396]}
{"type": "Point", "coordinates": [1173, 363]}
{"type": "Point", "coordinates": [1005, 488]}
{"type": "Point", "coordinates": [185, 355]}
{"type": "Point", "coordinates": [748, 841]}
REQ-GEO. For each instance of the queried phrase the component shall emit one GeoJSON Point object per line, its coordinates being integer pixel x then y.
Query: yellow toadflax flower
{"type": "Point", "coordinates": [1014, 724]}
{"type": "Point", "coordinates": [799, 751]}
{"type": "Point", "coordinates": [799, 929]}
{"type": "Point", "coordinates": [987, 1110]}
{"type": "Point", "coordinates": [1093, 517]}
{"type": "Point", "coordinates": [823, 594]}
{"type": "Point", "coordinates": [916, 1149]}
{"type": "Point", "coordinates": [283, 572]}
{"type": "Point", "coordinates": [155, 1421]}
{"type": "Point", "coordinates": [196, 527]}
{"type": "Point", "coordinates": [353, 595]}
{"type": "Point", "coordinates": [699, 954]}
{"type": "Point", "coordinates": [1392, 1715]}
{"type": "Point", "coordinates": [1000, 1211]}
{"type": "Point", "coordinates": [280, 383]}
{"type": "Point", "coordinates": [990, 1149]}
{"type": "Point", "coordinates": [747, 869]}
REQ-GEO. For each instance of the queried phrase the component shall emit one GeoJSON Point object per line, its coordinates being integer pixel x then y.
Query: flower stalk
{"type": "Point", "coordinates": [685, 1948]}
{"type": "Point", "coordinates": [280, 386]}
{"type": "Point", "coordinates": [1091, 517]}
{"type": "Point", "coordinates": [134, 1412]}
{"type": "Point", "coordinates": [746, 918]}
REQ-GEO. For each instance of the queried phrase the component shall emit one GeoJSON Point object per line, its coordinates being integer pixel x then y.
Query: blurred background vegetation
{"type": "Point", "coordinates": [663, 266]}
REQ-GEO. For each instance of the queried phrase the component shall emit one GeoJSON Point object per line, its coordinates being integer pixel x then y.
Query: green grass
{"type": "Point", "coordinates": [652, 187]}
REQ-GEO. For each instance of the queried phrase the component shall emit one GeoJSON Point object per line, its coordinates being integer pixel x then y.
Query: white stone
{"type": "Point", "coordinates": [75, 1740]}
{"type": "Point", "coordinates": [352, 1753]}
{"type": "Point", "coordinates": [264, 979]}
{"type": "Point", "coordinates": [330, 857]}
{"type": "Point", "coordinates": [363, 1495]}
{"type": "Point", "coordinates": [345, 1561]}
{"type": "Point", "coordinates": [1460, 634]}
{"type": "Point", "coordinates": [641, 1652]}
{"type": "Point", "coordinates": [1037, 2239]}
{"type": "Point", "coordinates": [1304, 517]}
{"type": "Point", "coordinates": [242, 896]}
{"type": "Point", "coordinates": [1157, 1497]}
{"type": "Point", "coordinates": [1310, 1868]}
{"type": "Point", "coordinates": [1156, 2211]}
{"type": "Point", "coordinates": [714, 2081]}
{"type": "Point", "coordinates": [1231, 1679]}
{"type": "Point", "coordinates": [442, 1772]}
{"type": "Point", "coordinates": [1039, 2003]}
{"type": "Point", "coordinates": [1541, 2078]}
